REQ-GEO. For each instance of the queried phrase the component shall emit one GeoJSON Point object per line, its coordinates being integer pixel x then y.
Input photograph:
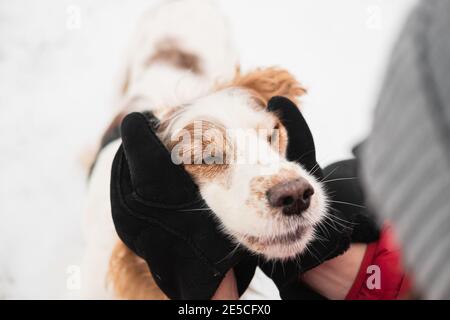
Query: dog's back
{"type": "Point", "coordinates": [180, 51]}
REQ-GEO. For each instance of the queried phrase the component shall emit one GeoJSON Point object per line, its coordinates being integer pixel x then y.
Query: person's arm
{"type": "Point", "coordinates": [334, 278]}
{"type": "Point", "coordinates": [348, 276]}
{"type": "Point", "coordinates": [227, 289]}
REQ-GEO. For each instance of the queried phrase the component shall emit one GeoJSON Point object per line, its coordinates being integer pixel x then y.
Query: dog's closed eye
{"type": "Point", "coordinates": [277, 139]}
{"type": "Point", "coordinates": [274, 134]}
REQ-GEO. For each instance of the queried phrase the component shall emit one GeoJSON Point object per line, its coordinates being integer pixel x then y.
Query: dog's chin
{"type": "Point", "coordinates": [289, 236]}
{"type": "Point", "coordinates": [283, 246]}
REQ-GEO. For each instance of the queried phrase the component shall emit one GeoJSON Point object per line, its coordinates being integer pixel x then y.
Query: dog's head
{"type": "Point", "coordinates": [235, 151]}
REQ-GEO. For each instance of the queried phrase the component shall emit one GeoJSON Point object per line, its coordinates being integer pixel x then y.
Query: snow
{"type": "Point", "coordinates": [58, 75]}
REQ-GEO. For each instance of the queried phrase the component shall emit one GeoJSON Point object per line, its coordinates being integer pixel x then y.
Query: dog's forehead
{"type": "Point", "coordinates": [232, 108]}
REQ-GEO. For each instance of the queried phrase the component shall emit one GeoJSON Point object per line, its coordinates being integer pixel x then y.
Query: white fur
{"type": "Point", "coordinates": [233, 109]}
{"type": "Point", "coordinates": [156, 87]}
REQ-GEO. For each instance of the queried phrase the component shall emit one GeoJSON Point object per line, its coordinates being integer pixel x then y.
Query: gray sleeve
{"type": "Point", "coordinates": [405, 162]}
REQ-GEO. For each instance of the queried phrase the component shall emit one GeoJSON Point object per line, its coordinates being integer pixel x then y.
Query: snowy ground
{"type": "Point", "coordinates": [57, 79]}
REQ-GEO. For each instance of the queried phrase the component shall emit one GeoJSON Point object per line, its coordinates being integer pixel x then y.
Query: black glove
{"type": "Point", "coordinates": [159, 214]}
{"type": "Point", "coordinates": [347, 220]}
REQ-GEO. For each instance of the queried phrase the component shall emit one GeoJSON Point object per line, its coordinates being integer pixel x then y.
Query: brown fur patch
{"type": "Point", "coordinates": [131, 277]}
{"type": "Point", "coordinates": [195, 147]}
{"type": "Point", "coordinates": [280, 136]}
{"type": "Point", "coordinates": [168, 51]}
{"type": "Point", "coordinates": [266, 83]}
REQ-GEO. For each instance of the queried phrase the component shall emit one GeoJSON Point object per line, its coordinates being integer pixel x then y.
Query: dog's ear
{"type": "Point", "coordinates": [269, 82]}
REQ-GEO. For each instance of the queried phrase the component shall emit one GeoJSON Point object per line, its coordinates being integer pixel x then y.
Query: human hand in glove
{"type": "Point", "coordinates": [159, 214]}
{"type": "Point", "coordinates": [347, 220]}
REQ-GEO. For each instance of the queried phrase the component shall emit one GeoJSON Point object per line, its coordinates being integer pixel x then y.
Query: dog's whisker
{"type": "Point", "coordinates": [315, 170]}
{"type": "Point", "coordinates": [337, 217]}
{"type": "Point", "coordinates": [329, 174]}
{"type": "Point", "coordinates": [348, 203]}
{"type": "Point", "coordinates": [340, 179]}
{"type": "Point", "coordinates": [312, 254]}
{"type": "Point", "coordinates": [197, 209]}
{"type": "Point", "coordinates": [273, 268]}
{"type": "Point", "coordinates": [341, 219]}
{"type": "Point", "coordinates": [298, 262]}
{"type": "Point", "coordinates": [320, 239]}
{"type": "Point", "coordinates": [331, 226]}
{"type": "Point", "coordinates": [324, 230]}
{"type": "Point", "coordinates": [302, 155]}
{"type": "Point", "coordinates": [341, 224]}
{"type": "Point", "coordinates": [231, 253]}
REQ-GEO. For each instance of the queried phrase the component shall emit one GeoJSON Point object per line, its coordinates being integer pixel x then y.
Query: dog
{"type": "Point", "coordinates": [190, 80]}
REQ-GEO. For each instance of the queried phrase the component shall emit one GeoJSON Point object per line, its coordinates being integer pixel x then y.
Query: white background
{"type": "Point", "coordinates": [57, 83]}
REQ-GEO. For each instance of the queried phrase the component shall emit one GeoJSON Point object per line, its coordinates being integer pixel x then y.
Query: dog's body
{"type": "Point", "coordinates": [185, 75]}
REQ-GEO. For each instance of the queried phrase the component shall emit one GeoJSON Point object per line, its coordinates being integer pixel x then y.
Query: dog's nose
{"type": "Point", "coordinates": [293, 196]}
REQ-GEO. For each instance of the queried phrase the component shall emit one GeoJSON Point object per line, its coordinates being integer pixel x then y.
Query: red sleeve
{"type": "Point", "coordinates": [381, 275]}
